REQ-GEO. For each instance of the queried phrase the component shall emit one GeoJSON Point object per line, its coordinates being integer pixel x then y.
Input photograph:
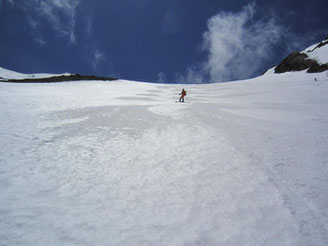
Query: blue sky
{"type": "Point", "coordinates": [157, 40]}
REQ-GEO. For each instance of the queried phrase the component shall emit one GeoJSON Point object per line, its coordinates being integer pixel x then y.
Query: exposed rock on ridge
{"type": "Point", "coordinates": [298, 61]}
{"type": "Point", "coordinates": [62, 78]}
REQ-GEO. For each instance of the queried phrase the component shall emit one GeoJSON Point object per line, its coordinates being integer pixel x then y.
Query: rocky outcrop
{"type": "Point", "coordinates": [294, 62]}
{"type": "Point", "coordinates": [299, 61]}
{"type": "Point", "coordinates": [318, 68]}
{"type": "Point", "coordinates": [306, 60]}
{"type": "Point", "coordinates": [62, 78]}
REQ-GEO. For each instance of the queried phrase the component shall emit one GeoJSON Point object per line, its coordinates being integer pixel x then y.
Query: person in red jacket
{"type": "Point", "coordinates": [183, 94]}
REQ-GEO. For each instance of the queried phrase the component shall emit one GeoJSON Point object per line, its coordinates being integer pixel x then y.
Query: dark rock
{"type": "Point", "coordinates": [299, 61]}
{"type": "Point", "coordinates": [62, 78]}
{"type": "Point", "coordinates": [318, 68]}
{"type": "Point", "coordinates": [294, 62]}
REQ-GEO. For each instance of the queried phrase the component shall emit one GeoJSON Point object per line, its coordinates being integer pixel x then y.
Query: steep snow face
{"type": "Point", "coordinates": [318, 52]}
{"type": "Point", "coordinates": [120, 163]}
{"type": "Point", "coordinates": [8, 74]}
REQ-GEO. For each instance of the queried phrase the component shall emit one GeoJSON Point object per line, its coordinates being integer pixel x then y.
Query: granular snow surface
{"type": "Point", "coordinates": [121, 163]}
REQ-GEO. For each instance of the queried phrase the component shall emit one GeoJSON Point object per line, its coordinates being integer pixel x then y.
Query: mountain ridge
{"type": "Point", "coordinates": [15, 77]}
{"type": "Point", "coordinates": [61, 78]}
{"type": "Point", "coordinates": [314, 59]}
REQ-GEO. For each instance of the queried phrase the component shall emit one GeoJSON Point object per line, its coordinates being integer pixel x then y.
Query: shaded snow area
{"type": "Point", "coordinates": [120, 163]}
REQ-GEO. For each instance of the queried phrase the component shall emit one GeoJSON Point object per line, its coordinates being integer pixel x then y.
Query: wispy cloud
{"type": "Point", "coordinates": [161, 77]}
{"type": "Point", "coordinates": [88, 26]}
{"type": "Point", "coordinates": [237, 44]}
{"type": "Point", "coordinates": [9, 1]}
{"type": "Point", "coordinates": [98, 58]}
{"type": "Point", "coordinates": [60, 15]}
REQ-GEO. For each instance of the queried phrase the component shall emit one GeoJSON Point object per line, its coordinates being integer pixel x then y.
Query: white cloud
{"type": "Point", "coordinates": [236, 45]}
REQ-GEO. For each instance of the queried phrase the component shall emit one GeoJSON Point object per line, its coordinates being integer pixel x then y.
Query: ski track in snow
{"type": "Point", "coordinates": [120, 163]}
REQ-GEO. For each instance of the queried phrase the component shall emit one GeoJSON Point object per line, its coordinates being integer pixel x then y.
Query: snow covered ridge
{"type": "Point", "coordinates": [314, 59]}
{"type": "Point", "coordinates": [318, 52]}
{"type": "Point", "coordinates": [11, 76]}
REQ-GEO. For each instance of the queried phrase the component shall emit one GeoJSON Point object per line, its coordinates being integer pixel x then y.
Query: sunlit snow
{"type": "Point", "coordinates": [318, 54]}
{"type": "Point", "coordinates": [121, 163]}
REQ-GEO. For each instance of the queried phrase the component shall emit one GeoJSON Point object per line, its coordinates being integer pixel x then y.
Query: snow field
{"type": "Point", "coordinates": [120, 163]}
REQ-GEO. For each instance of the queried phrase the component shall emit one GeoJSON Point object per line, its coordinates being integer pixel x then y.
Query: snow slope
{"type": "Point", "coordinates": [120, 163]}
{"type": "Point", "coordinates": [320, 54]}
{"type": "Point", "coordinates": [8, 74]}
